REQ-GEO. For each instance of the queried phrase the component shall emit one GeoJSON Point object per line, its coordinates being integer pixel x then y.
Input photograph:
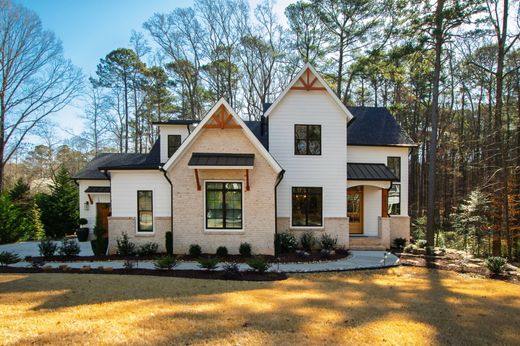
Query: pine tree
{"type": "Point", "coordinates": [9, 225]}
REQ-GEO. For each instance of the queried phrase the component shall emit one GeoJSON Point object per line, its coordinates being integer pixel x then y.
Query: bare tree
{"type": "Point", "coordinates": [36, 80]}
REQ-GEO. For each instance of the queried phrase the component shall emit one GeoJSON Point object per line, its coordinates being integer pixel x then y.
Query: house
{"type": "Point", "coordinates": [310, 164]}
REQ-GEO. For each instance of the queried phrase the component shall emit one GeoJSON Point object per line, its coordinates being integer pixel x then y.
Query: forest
{"type": "Point", "coordinates": [448, 70]}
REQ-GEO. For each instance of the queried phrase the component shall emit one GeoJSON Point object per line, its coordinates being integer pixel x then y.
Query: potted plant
{"type": "Point", "coordinates": [82, 232]}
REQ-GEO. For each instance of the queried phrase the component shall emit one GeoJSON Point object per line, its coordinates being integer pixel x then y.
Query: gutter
{"type": "Point", "coordinates": [171, 197]}
{"type": "Point", "coordinates": [278, 181]}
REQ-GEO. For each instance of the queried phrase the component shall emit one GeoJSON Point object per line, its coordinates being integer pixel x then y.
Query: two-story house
{"type": "Point", "coordinates": [310, 164]}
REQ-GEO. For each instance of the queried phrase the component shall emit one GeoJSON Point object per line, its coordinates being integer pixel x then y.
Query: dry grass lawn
{"type": "Point", "coordinates": [395, 306]}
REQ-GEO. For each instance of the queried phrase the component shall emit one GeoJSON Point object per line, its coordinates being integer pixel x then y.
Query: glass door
{"type": "Point", "coordinates": [355, 209]}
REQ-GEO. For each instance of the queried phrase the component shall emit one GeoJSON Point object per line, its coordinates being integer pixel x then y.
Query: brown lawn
{"type": "Point", "coordinates": [396, 306]}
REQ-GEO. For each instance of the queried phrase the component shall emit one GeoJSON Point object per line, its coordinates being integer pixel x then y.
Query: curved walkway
{"type": "Point", "coordinates": [357, 260]}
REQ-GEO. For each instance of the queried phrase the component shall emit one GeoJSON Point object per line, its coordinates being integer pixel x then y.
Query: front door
{"type": "Point", "coordinates": [103, 210]}
{"type": "Point", "coordinates": [355, 209]}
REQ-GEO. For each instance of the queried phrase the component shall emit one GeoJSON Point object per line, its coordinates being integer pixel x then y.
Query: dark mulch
{"type": "Point", "coordinates": [191, 274]}
{"type": "Point", "coordinates": [314, 256]}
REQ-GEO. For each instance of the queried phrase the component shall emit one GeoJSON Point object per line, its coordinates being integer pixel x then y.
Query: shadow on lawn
{"type": "Point", "coordinates": [321, 308]}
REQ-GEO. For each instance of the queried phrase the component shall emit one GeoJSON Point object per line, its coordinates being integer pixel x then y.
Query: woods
{"type": "Point", "coordinates": [448, 70]}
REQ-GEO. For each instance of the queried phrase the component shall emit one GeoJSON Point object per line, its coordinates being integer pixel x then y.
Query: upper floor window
{"type": "Point", "coordinates": [394, 164]}
{"type": "Point", "coordinates": [174, 142]}
{"type": "Point", "coordinates": [307, 139]}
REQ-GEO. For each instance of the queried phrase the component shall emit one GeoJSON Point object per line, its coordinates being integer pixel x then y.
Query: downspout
{"type": "Point", "coordinates": [110, 181]}
{"type": "Point", "coordinates": [278, 181]}
{"type": "Point", "coordinates": [171, 198]}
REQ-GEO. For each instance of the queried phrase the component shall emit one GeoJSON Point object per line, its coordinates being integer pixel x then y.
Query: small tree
{"type": "Point", "coordinates": [100, 242]}
{"type": "Point", "coordinates": [9, 225]}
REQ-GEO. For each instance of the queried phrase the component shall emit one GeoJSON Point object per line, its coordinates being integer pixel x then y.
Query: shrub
{"type": "Point", "coordinates": [328, 242]}
{"type": "Point", "coordinates": [169, 243]}
{"type": "Point", "coordinates": [195, 250]}
{"type": "Point", "coordinates": [7, 258]}
{"type": "Point", "coordinates": [307, 241]}
{"type": "Point", "coordinates": [47, 247]}
{"type": "Point", "coordinates": [258, 264]}
{"type": "Point", "coordinates": [245, 249]}
{"type": "Point", "coordinates": [399, 243]}
{"type": "Point", "coordinates": [430, 251]}
{"type": "Point", "coordinates": [166, 263]}
{"type": "Point", "coordinates": [496, 264]}
{"type": "Point", "coordinates": [69, 247]}
{"type": "Point", "coordinates": [128, 264]}
{"type": "Point", "coordinates": [148, 249]}
{"type": "Point", "coordinates": [222, 251]}
{"type": "Point", "coordinates": [124, 246]}
{"type": "Point", "coordinates": [409, 248]}
{"type": "Point", "coordinates": [231, 269]}
{"type": "Point", "coordinates": [100, 242]}
{"type": "Point", "coordinates": [286, 242]}
{"type": "Point", "coordinates": [83, 221]}
{"type": "Point", "coordinates": [208, 263]}
{"type": "Point", "coordinates": [421, 244]}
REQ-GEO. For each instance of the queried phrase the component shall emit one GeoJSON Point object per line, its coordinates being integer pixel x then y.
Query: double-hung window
{"type": "Point", "coordinates": [224, 205]}
{"type": "Point", "coordinates": [145, 211]}
{"type": "Point", "coordinates": [394, 194]}
{"type": "Point", "coordinates": [307, 206]}
{"type": "Point", "coordinates": [307, 139]}
{"type": "Point", "coordinates": [174, 142]}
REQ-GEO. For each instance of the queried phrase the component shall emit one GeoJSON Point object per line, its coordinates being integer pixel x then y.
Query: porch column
{"type": "Point", "coordinates": [384, 202]}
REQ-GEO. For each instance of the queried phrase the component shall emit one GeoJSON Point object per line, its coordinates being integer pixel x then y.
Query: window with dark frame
{"type": "Point", "coordinates": [223, 205]}
{"type": "Point", "coordinates": [307, 139]}
{"type": "Point", "coordinates": [174, 142]}
{"type": "Point", "coordinates": [145, 211]}
{"type": "Point", "coordinates": [394, 164]}
{"type": "Point", "coordinates": [307, 206]}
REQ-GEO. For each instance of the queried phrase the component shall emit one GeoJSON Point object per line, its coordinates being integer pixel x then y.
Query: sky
{"type": "Point", "coordinates": [90, 29]}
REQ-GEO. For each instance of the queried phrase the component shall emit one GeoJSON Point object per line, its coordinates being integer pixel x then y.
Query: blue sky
{"type": "Point", "coordinates": [90, 29]}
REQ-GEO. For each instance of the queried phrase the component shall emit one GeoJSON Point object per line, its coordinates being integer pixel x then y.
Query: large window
{"type": "Point", "coordinates": [307, 206]}
{"type": "Point", "coordinates": [223, 205]}
{"type": "Point", "coordinates": [145, 211]}
{"type": "Point", "coordinates": [174, 142]}
{"type": "Point", "coordinates": [394, 164]}
{"type": "Point", "coordinates": [394, 200]}
{"type": "Point", "coordinates": [307, 139]}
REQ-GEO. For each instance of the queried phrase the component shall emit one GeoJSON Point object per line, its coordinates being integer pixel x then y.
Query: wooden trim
{"type": "Point", "coordinates": [222, 120]}
{"type": "Point", "coordinates": [308, 85]}
{"type": "Point", "coordinates": [197, 179]}
{"type": "Point", "coordinates": [247, 179]}
{"type": "Point", "coordinates": [90, 198]}
{"type": "Point", "coordinates": [384, 204]}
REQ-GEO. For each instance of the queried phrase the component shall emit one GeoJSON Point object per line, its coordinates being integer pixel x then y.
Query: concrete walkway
{"type": "Point", "coordinates": [357, 260]}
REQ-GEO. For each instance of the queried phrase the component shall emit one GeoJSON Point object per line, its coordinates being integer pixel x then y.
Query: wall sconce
{"type": "Point", "coordinates": [86, 206]}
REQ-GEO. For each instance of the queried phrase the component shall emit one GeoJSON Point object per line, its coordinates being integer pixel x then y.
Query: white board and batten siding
{"type": "Point", "coordinates": [90, 214]}
{"type": "Point", "coordinates": [380, 154]}
{"type": "Point", "coordinates": [125, 185]}
{"type": "Point", "coordinates": [164, 131]}
{"type": "Point", "coordinates": [327, 170]}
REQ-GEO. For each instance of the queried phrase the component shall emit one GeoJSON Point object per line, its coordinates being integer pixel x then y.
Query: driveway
{"type": "Point", "coordinates": [30, 248]}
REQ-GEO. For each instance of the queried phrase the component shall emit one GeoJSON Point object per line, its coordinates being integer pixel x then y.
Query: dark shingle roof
{"type": "Point", "coordinates": [375, 126]}
{"type": "Point", "coordinates": [176, 122]}
{"type": "Point", "coordinates": [369, 171]}
{"type": "Point", "coordinates": [91, 170]}
{"type": "Point", "coordinates": [256, 128]}
{"type": "Point", "coordinates": [98, 189]}
{"type": "Point", "coordinates": [221, 159]}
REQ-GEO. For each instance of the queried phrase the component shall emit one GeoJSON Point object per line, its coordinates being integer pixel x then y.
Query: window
{"type": "Point", "coordinates": [223, 205]}
{"type": "Point", "coordinates": [394, 200]}
{"type": "Point", "coordinates": [174, 142]}
{"type": "Point", "coordinates": [307, 139]}
{"type": "Point", "coordinates": [394, 164]}
{"type": "Point", "coordinates": [307, 206]}
{"type": "Point", "coordinates": [145, 211]}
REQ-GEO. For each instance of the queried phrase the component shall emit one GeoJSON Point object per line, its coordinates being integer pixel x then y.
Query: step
{"type": "Point", "coordinates": [367, 248]}
{"type": "Point", "coordinates": [365, 241]}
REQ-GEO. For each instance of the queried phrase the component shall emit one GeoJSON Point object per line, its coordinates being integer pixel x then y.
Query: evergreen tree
{"type": "Point", "coordinates": [9, 225]}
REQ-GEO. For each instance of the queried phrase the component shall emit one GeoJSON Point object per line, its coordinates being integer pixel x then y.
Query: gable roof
{"type": "Point", "coordinates": [376, 126]}
{"type": "Point", "coordinates": [295, 80]}
{"type": "Point", "coordinates": [209, 116]}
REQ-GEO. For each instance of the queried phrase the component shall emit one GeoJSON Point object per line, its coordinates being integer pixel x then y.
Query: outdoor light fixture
{"type": "Point", "coordinates": [87, 205]}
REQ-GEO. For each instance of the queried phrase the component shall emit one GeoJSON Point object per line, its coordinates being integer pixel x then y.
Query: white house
{"type": "Point", "coordinates": [310, 164]}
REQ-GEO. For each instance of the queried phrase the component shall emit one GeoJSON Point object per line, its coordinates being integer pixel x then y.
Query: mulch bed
{"type": "Point", "coordinates": [314, 256]}
{"type": "Point", "coordinates": [191, 274]}
{"type": "Point", "coordinates": [452, 262]}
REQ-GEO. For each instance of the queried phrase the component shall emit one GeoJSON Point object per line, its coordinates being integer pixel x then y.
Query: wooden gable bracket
{"type": "Point", "coordinates": [197, 179]}
{"type": "Point", "coordinates": [222, 119]}
{"type": "Point", "coordinates": [247, 179]}
{"type": "Point", "coordinates": [308, 85]}
{"type": "Point", "coordinates": [90, 198]}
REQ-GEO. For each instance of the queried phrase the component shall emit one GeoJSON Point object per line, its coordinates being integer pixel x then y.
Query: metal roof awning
{"type": "Point", "coordinates": [370, 171]}
{"type": "Point", "coordinates": [221, 161]}
{"type": "Point", "coordinates": [98, 189]}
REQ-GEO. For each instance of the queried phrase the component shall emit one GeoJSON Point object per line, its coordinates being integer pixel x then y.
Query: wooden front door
{"type": "Point", "coordinates": [355, 209]}
{"type": "Point", "coordinates": [103, 210]}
